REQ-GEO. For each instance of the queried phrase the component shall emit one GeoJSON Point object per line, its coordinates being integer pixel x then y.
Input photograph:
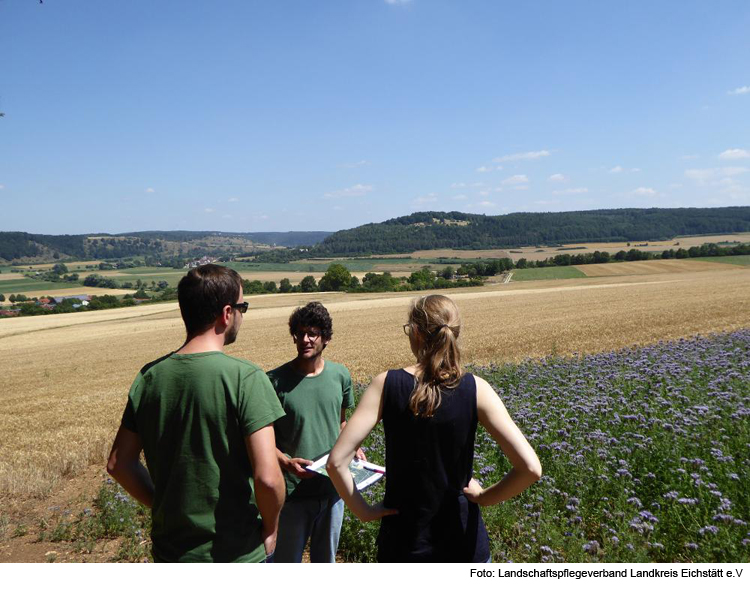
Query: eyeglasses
{"type": "Point", "coordinates": [241, 307]}
{"type": "Point", "coordinates": [312, 335]}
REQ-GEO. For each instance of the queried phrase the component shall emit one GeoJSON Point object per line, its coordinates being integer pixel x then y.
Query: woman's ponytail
{"type": "Point", "coordinates": [438, 325]}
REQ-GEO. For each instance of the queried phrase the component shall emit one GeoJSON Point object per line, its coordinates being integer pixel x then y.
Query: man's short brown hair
{"type": "Point", "coordinates": [204, 292]}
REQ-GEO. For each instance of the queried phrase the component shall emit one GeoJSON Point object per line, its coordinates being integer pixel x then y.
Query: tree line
{"type": "Point", "coordinates": [339, 278]}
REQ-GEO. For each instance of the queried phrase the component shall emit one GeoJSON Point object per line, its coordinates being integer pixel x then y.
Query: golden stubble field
{"type": "Point", "coordinates": [65, 378]}
{"type": "Point", "coordinates": [533, 253]}
{"type": "Point", "coordinates": [655, 267]}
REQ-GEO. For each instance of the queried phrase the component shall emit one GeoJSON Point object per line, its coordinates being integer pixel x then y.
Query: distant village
{"type": "Point", "coordinates": [49, 303]}
{"type": "Point", "coordinates": [199, 262]}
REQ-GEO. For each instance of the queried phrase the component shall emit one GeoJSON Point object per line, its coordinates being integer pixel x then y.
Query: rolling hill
{"type": "Point", "coordinates": [432, 229]}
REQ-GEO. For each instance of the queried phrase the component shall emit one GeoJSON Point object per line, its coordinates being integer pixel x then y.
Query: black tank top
{"type": "Point", "coordinates": [428, 462]}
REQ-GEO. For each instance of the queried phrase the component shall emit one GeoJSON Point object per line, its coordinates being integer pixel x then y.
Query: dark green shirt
{"type": "Point", "coordinates": [313, 419]}
{"type": "Point", "coordinates": [192, 413]}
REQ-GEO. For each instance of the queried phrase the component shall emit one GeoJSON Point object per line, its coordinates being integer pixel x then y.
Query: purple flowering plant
{"type": "Point", "coordinates": [644, 450]}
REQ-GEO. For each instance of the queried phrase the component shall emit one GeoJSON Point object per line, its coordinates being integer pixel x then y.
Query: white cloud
{"type": "Point", "coordinates": [209, 210]}
{"type": "Point", "coordinates": [354, 164]}
{"type": "Point", "coordinates": [226, 216]}
{"type": "Point", "coordinates": [557, 178]}
{"type": "Point", "coordinates": [484, 193]}
{"type": "Point", "coordinates": [736, 191]}
{"type": "Point", "coordinates": [522, 156]}
{"type": "Point", "coordinates": [429, 198]}
{"type": "Point", "coordinates": [484, 169]}
{"type": "Point", "coordinates": [740, 90]}
{"type": "Point", "coordinates": [734, 154]}
{"type": "Point", "coordinates": [2, 187]}
{"type": "Point", "coordinates": [644, 191]}
{"type": "Point", "coordinates": [616, 169]}
{"type": "Point", "coordinates": [546, 202]}
{"type": "Point", "coordinates": [700, 174]}
{"type": "Point", "coordinates": [150, 190]}
{"type": "Point", "coordinates": [575, 191]}
{"type": "Point", "coordinates": [733, 170]}
{"type": "Point", "coordinates": [516, 179]}
{"type": "Point", "coordinates": [635, 170]}
{"type": "Point", "coordinates": [233, 200]}
{"type": "Point", "coordinates": [394, 2]}
{"type": "Point", "coordinates": [358, 190]}
{"type": "Point", "coordinates": [486, 204]}
{"type": "Point", "coordinates": [459, 197]}
{"type": "Point", "coordinates": [703, 175]}
{"type": "Point", "coordinates": [458, 185]}
{"type": "Point", "coordinates": [337, 208]}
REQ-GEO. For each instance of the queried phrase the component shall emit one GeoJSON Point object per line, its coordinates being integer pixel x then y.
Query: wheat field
{"type": "Point", "coordinates": [648, 267]}
{"type": "Point", "coordinates": [66, 377]}
{"type": "Point", "coordinates": [534, 253]}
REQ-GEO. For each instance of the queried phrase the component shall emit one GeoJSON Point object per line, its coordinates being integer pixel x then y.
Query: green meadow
{"type": "Point", "coordinates": [540, 273]}
{"type": "Point", "coordinates": [740, 259]}
{"type": "Point", "coordinates": [24, 284]}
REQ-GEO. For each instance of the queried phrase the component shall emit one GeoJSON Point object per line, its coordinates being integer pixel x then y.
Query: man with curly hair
{"type": "Point", "coordinates": [315, 394]}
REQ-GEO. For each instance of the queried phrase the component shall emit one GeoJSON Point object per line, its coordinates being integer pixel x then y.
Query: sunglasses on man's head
{"type": "Point", "coordinates": [241, 307]}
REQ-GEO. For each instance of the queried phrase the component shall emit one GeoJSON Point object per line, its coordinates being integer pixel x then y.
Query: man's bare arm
{"type": "Point", "coordinates": [295, 466]}
{"type": "Point", "coordinates": [125, 466]}
{"type": "Point", "coordinates": [270, 489]}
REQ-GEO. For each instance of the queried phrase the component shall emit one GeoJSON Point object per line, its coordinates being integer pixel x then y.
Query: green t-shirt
{"type": "Point", "coordinates": [313, 419]}
{"type": "Point", "coordinates": [192, 413]}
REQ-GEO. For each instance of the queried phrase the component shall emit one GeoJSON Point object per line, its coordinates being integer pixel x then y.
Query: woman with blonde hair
{"type": "Point", "coordinates": [430, 412]}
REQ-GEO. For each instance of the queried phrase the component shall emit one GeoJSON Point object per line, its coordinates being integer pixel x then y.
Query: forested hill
{"type": "Point", "coordinates": [22, 246]}
{"type": "Point", "coordinates": [431, 229]}
{"type": "Point", "coordinates": [288, 239]}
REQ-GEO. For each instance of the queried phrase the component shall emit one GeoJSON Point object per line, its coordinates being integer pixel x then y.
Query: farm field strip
{"type": "Point", "coordinates": [34, 324]}
{"type": "Point", "coordinates": [72, 265]}
{"type": "Point", "coordinates": [654, 267]}
{"type": "Point", "coordinates": [70, 384]}
{"type": "Point", "coordinates": [541, 273]}
{"type": "Point", "coordinates": [75, 290]}
{"type": "Point", "coordinates": [534, 253]}
{"type": "Point", "coordinates": [24, 284]}
{"type": "Point", "coordinates": [742, 259]}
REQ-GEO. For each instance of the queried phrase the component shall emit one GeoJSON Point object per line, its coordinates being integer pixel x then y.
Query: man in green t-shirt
{"type": "Point", "coordinates": [315, 395]}
{"type": "Point", "coordinates": [204, 421]}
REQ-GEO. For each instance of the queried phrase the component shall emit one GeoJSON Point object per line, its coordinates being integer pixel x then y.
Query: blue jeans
{"type": "Point", "coordinates": [318, 519]}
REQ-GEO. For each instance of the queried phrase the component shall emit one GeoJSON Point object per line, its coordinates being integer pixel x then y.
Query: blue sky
{"type": "Point", "coordinates": [327, 114]}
